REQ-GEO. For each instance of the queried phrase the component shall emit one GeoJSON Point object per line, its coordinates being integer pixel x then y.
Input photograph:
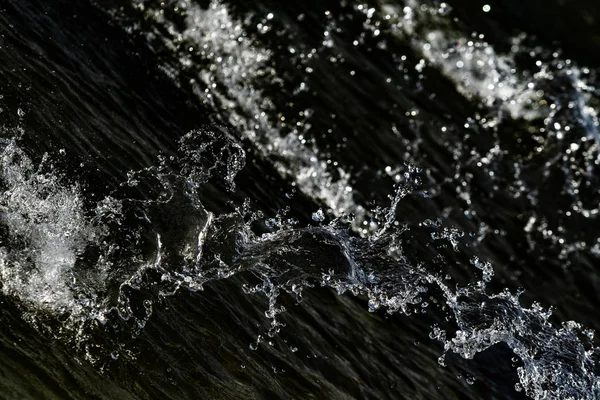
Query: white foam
{"type": "Point", "coordinates": [479, 71]}
{"type": "Point", "coordinates": [48, 228]}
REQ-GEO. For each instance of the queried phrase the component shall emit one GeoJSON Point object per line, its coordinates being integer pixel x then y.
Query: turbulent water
{"type": "Point", "coordinates": [333, 199]}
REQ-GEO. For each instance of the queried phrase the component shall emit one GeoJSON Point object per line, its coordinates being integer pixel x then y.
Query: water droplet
{"type": "Point", "coordinates": [444, 9]}
{"type": "Point", "coordinates": [318, 216]}
{"type": "Point", "coordinates": [518, 387]}
{"type": "Point", "coordinates": [442, 361]}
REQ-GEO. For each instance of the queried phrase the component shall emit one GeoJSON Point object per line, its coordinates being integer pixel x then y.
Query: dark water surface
{"type": "Point", "coordinates": [317, 199]}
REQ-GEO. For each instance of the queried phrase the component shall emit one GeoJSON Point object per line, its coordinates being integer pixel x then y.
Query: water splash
{"type": "Point", "coordinates": [289, 259]}
{"type": "Point", "coordinates": [46, 230]}
{"type": "Point", "coordinates": [228, 67]}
